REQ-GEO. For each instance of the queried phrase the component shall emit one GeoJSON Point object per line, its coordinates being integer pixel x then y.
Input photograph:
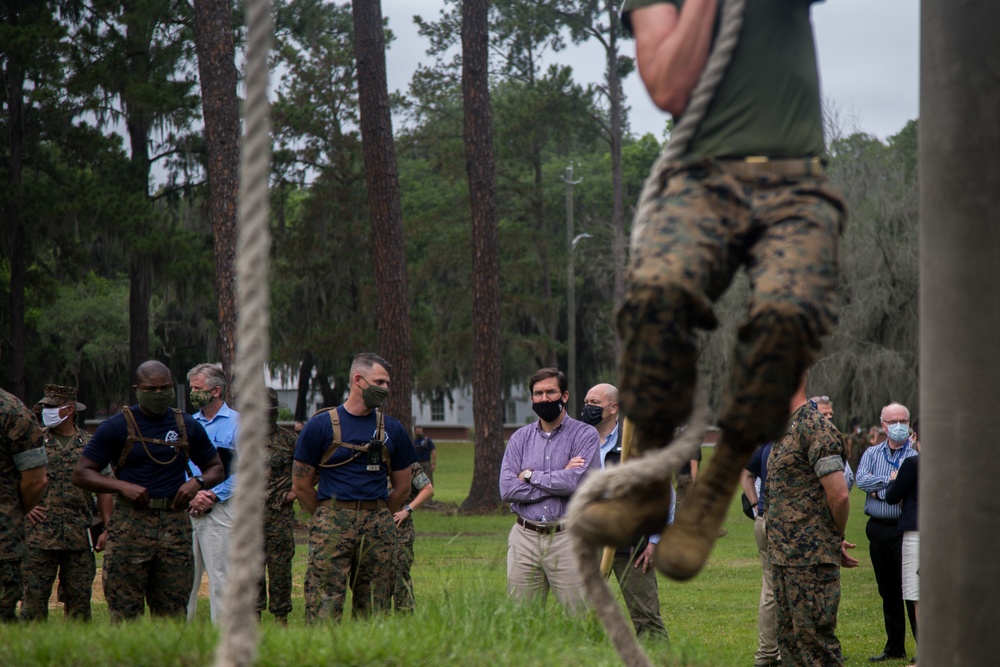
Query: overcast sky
{"type": "Point", "coordinates": [868, 60]}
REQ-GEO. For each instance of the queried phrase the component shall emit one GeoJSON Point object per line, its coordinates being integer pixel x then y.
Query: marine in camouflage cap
{"type": "Point", "coordinates": [61, 530]}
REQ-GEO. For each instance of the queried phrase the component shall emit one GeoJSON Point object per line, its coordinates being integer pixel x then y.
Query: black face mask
{"type": "Point", "coordinates": [592, 414]}
{"type": "Point", "coordinates": [548, 411]}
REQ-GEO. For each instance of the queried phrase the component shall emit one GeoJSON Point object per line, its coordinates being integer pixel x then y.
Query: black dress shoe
{"type": "Point", "coordinates": [883, 656]}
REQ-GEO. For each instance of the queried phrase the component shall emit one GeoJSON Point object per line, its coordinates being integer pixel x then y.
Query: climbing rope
{"type": "Point", "coordinates": [238, 643]}
{"type": "Point", "coordinates": [652, 468]}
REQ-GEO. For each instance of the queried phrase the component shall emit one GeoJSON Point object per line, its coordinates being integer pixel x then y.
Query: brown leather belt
{"type": "Point", "coordinates": [540, 528]}
{"type": "Point", "coordinates": [354, 504]}
{"type": "Point", "coordinates": [756, 166]}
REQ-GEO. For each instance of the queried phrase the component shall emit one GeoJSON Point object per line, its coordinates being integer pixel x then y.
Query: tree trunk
{"type": "Point", "coordinates": [220, 106]}
{"type": "Point", "coordinates": [384, 208]}
{"type": "Point", "coordinates": [303, 411]}
{"type": "Point", "coordinates": [484, 494]}
{"type": "Point", "coordinates": [959, 141]}
{"type": "Point", "coordinates": [14, 223]}
{"type": "Point", "coordinates": [139, 35]}
{"type": "Point", "coordinates": [618, 206]}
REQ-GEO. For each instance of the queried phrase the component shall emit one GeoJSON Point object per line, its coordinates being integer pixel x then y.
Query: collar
{"type": "Point", "coordinates": [225, 412]}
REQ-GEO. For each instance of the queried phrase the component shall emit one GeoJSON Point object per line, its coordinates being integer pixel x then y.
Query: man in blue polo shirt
{"type": "Point", "coordinates": [350, 450]}
{"type": "Point", "coordinates": [148, 556]}
{"type": "Point", "coordinates": [211, 515]}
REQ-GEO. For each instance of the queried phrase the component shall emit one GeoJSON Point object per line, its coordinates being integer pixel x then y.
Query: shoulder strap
{"type": "Point", "coordinates": [135, 435]}
{"type": "Point", "coordinates": [336, 443]}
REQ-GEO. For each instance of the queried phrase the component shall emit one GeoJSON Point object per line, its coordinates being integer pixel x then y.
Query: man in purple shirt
{"type": "Point", "coordinates": [542, 466]}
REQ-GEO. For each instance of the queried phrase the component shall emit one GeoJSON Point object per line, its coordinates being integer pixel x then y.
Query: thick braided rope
{"type": "Point", "coordinates": [652, 468]}
{"type": "Point", "coordinates": [701, 96]}
{"type": "Point", "coordinates": [238, 646]}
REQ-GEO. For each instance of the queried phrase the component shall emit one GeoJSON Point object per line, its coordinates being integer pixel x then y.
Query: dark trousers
{"type": "Point", "coordinates": [885, 545]}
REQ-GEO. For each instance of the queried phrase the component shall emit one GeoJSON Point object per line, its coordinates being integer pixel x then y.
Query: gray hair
{"type": "Point", "coordinates": [214, 375]}
{"type": "Point", "coordinates": [365, 361]}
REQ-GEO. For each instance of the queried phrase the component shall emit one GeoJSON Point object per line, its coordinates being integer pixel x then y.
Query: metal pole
{"type": "Point", "coordinates": [959, 317]}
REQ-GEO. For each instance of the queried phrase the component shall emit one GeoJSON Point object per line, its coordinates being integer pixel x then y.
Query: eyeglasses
{"type": "Point", "coordinates": [539, 393]}
{"type": "Point", "coordinates": [904, 422]}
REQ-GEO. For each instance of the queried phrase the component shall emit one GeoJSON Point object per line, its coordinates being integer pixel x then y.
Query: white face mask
{"type": "Point", "coordinates": [51, 418]}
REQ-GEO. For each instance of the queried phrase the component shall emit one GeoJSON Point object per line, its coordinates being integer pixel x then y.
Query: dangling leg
{"type": "Point", "coordinates": [793, 272]}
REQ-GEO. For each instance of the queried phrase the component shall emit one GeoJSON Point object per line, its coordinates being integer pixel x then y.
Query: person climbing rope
{"type": "Point", "coordinates": [742, 185]}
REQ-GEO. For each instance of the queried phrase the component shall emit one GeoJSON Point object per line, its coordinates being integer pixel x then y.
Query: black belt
{"type": "Point", "coordinates": [891, 521]}
{"type": "Point", "coordinates": [153, 504]}
{"type": "Point", "coordinates": [757, 166]}
{"type": "Point", "coordinates": [540, 528]}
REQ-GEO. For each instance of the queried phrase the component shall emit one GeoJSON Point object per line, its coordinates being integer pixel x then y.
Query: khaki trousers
{"type": "Point", "coordinates": [537, 563]}
{"type": "Point", "coordinates": [767, 621]}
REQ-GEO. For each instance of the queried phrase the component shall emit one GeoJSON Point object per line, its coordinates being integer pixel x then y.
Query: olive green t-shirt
{"type": "Point", "coordinates": [768, 101]}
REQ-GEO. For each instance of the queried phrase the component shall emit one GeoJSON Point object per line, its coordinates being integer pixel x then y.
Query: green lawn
{"type": "Point", "coordinates": [463, 616]}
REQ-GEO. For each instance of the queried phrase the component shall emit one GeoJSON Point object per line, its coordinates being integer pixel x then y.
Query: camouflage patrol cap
{"type": "Point", "coordinates": [57, 396]}
{"type": "Point", "coordinates": [272, 398]}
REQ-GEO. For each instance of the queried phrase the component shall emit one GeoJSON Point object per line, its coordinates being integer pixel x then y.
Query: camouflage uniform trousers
{"type": "Point", "coordinates": [807, 599]}
{"type": "Point", "coordinates": [76, 570]}
{"type": "Point", "coordinates": [706, 224]}
{"type": "Point", "coordinates": [349, 548]}
{"type": "Point", "coordinates": [402, 595]}
{"type": "Point", "coordinates": [149, 558]}
{"type": "Point", "coordinates": [11, 589]}
{"type": "Point", "coordinates": [279, 552]}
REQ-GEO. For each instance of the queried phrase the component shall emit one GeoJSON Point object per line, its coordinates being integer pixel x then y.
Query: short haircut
{"type": "Point", "coordinates": [881, 416]}
{"type": "Point", "coordinates": [365, 361]}
{"type": "Point", "coordinates": [546, 373]}
{"type": "Point", "coordinates": [147, 369]}
{"type": "Point", "coordinates": [821, 400]}
{"type": "Point", "coordinates": [214, 375]}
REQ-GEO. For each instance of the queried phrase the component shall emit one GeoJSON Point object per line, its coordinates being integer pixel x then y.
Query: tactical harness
{"type": "Point", "coordinates": [135, 435]}
{"type": "Point", "coordinates": [358, 449]}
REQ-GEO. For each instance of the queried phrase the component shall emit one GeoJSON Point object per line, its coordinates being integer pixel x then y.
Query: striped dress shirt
{"type": "Point", "coordinates": [876, 465]}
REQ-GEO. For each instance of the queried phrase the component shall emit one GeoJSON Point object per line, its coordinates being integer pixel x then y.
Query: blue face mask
{"type": "Point", "coordinates": [899, 432]}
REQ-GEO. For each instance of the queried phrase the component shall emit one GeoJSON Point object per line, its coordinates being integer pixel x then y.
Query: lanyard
{"type": "Point", "coordinates": [895, 462]}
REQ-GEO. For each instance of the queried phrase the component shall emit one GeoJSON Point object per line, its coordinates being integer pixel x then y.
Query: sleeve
{"type": "Point", "coordinates": [513, 490]}
{"type": "Point", "coordinates": [826, 450]}
{"type": "Point", "coordinates": [24, 436]}
{"type": "Point", "coordinates": [403, 454]}
{"type": "Point", "coordinates": [587, 444]}
{"type": "Point", "coordinates": [866, 479]}
{"type": "Point", "coordinates": [630, 5]}
{"type": "Point", "coordinates": [753, 465]}
{"type": "Point", "coordinates": [105, 445]}
{"type": "Point", "coordinates": [313, 440]}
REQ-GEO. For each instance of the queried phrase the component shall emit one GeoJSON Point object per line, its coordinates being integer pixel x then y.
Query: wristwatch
{"type": "Point", "coordinates": [527, 476]}
{"type": "Point", "coordinates": [200, 480]}
{"type": "Point", "coordinates": [408, 509]}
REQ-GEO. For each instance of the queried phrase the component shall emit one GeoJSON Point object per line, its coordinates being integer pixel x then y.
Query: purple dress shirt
{"type": "Point", "coordinates": [544, 498]}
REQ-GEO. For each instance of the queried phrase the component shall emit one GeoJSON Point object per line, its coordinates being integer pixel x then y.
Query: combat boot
{"type": "Point", "coordinates": [685, 545]}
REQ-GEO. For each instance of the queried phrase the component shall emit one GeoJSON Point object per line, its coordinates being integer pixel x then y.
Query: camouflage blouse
{"type": "Point", "coordinates": [800, 526]}
{"type": "Point", "coordinates": [69, 509]}
{"type": "Point", "coordinates": [280, 450]}
{"type": "Point", "coordinates": [21, 448]}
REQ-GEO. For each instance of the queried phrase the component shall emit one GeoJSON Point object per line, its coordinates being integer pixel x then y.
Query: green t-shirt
{"type": "Point", "coordinates": [768, 101]}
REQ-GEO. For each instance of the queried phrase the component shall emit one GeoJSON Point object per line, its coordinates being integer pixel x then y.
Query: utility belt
{"type": "Point", "coordinates": [756, 166]}
{"type": "Point", "coordinates": [354, 504]}
{"type": "Point", "coordinates": [153, 504]}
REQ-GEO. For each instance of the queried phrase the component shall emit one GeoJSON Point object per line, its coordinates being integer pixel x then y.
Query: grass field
{"type": "Point", "coordinates": [463, 616]}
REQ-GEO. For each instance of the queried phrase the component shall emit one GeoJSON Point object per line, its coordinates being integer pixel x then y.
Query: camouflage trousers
{"type": "Point", "coordinates": [149, 559]}
{"type": "Point", "coordinates": [402, 594]}
{"type": "Point", "coordinates": [76, 570]}
{"type": "Point", "coordinates": [11, 589]}
{"type": "Point", "coordinates": [706, 225]}
{"type": "Point", "coordinates": [349, 548]}
{"type": "Point", "coordinates": [807, 599]}
{"type": "Point", "coordinates": [279, 552]}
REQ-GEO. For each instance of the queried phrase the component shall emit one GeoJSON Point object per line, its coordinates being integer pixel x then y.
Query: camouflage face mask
{"type": "Point", "coordinates": [200, 399]}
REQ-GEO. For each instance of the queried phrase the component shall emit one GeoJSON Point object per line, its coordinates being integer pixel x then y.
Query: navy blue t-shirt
{"type": "Point", "coordinates": [758, 468]}
{"type": "Point", "coordinates": [352, 481]}
{"type": "Point", "coordinates": [160, 481]}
